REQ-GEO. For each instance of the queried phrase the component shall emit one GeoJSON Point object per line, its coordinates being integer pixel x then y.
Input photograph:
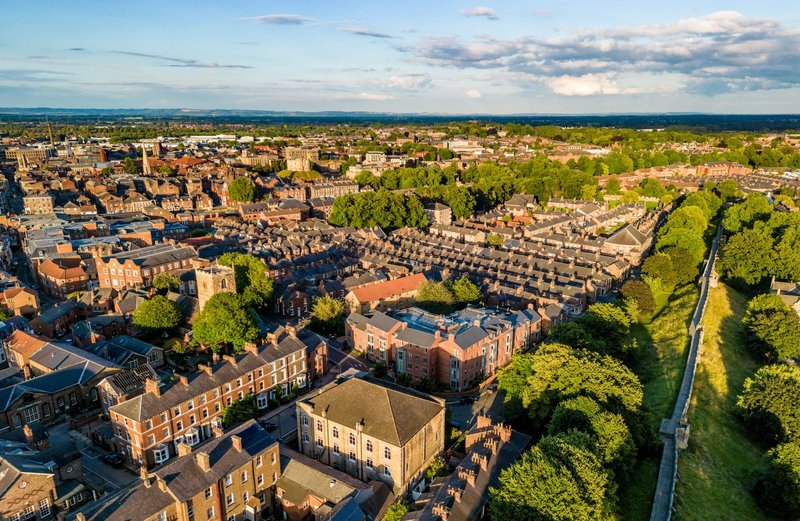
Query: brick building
{"type": "Point", "coordinates": [38, 204]}
{"type": "Point", "coordinates": [384, 295]}
{"type": "Point", "coordinates": [372, 430]}
{"type": "Point", "coordinates": [137, 268]}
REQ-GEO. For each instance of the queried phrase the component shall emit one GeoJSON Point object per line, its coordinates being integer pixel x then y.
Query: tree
{"type": "Point", "coordinates": [465, 291]}
{"type": "Point", "coordinates": [559, 479]}
{"type": "Point", "coordinates": [129, 167]}
{"type": "Point", "coordinates": [690, 217]}
{"type": "Point", "coordinates": [613, 186]}
{"type": "Point", "coordinates": [3, 315]}
{"type": "Point", "coordinates": [639, 292]}
{"type": "Point", "coordinates": [435, 297]}
{"type": "Point", "coordinates": [327, 314]}
{"type": "Point", "coordinates": [604, 328]}
{"type": "Point", "coordinates": [239, 411]}
{"type": "Point", "coordinates": [242, 190]}
{"type": "Point", "coordinates": [396, 512]}
{"type": "Point", "coordinates": [494, 239]}
{"type": "Point", "coordinates": [157, 314]}
{"type": "Point", "coordinates": [777, 490]}
{"type": "Point", "coordinates": [165, 169]}
{"type": "Point", "coordinates": [770, 403]}
{"type": "Point", "coordinates": [225, 321]}
{"type": "Point", "coordinates": [166, 282]}
{"type": "Point", "coordinates": [727, 190]}
{"type": "Point", "coordinates": [684, 238]}
{"type": "Point", "coordinates": [772, 328]}
{"type": "Point", "coordinates": [686, 268]}
{"type": "Point", "coordinates": [252, 281]}
{"type": "Point", "coordinates": [706, 201]}
{"type": "Point", "coordinates": [747, 257]}
{"type": "Point", "coordinates": [438, 467]}
{"type": "Point", "coordinates": [754, 208]}
{"type": "Point", "coordinates": [659, 266]}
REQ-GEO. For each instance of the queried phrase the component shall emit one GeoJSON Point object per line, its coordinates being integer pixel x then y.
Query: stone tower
{"type": "Point", "coordinates": [212, 280]}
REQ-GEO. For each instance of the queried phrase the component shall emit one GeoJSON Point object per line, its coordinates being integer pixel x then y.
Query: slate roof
{"type": "Point", "coordinates": [154, 255]}
{"type": "Point", "coordinates": [77, 374]}
{"type": "Point", "coordinates": [302, 476]}
{"type": "Point", "coordinates": [388, 414]}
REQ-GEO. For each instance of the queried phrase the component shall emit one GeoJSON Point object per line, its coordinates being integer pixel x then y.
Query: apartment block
{"type": "Point", "coordinates": [137, 268]}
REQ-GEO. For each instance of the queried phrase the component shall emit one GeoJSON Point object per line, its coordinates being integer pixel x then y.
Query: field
{"type": "Point", "coordinates": [663, 343]}
{"type": "Point", "coordinates": [721, 461]}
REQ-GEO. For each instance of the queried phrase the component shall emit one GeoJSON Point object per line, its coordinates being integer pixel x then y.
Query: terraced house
{"type": "Point", "coordinates": [149, 427]}
{"type": "Point", "coordinates": [459, 349]}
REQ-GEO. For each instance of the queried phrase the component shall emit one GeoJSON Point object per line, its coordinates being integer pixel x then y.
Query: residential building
{"type": "Point", "coordinates": [137, 268]}
{"type": "Point", "coordinates": [389, 294]}
{"type": "Point", "coordinates": [227, 477]}
{"type": "Point", "coordinates": [37, 204]}
{"type": "Point", "coordinates": [63, 275]}
{"type": "Point", "coordinates": [19, 300]}
{"type": "Point", "coordinates": [149, 427]}
{"type": "Point", "coordinates": [439, 213]}
{"type": "Point", "coordinates": [372, 430]}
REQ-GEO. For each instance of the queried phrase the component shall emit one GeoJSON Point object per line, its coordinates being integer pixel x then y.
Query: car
{"type": "Point", "coordinates": [466, 400]}
{"type": "Point", "coordinates": [492, 387]}
{"type": "Point", "coordinates": [112, 459]}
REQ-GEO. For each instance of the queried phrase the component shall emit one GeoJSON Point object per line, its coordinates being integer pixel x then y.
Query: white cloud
{"type": "Point", "coordinates": [372, 96]}
{"type": "Point", "coordinates": [282, 19]}
{"type": "Point", "coordinates": [409, 81]}
{"type": "Point", "coordinates": [474, 94]}
{"type": "Point", "coordinates": [486, 12]}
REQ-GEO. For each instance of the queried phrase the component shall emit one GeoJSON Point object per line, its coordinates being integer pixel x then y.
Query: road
{"type": "Point", "coordinates": [488, 403]}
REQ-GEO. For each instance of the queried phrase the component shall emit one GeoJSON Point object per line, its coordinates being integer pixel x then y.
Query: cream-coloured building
{"type": "Point", "coordinates": [372, 430]}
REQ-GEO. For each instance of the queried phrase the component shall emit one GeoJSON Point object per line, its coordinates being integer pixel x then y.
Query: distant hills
{"type": "Point", "coordinates": [711, 122]}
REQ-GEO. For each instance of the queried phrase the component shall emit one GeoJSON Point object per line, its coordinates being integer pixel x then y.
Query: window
{"type": "Point", "coordinates": [165, 432]}
{"type": "Point", "coordinates": [177, 411]}
{"type": "Point", "coordinates": [336, 433]}
{"type": "Point", "coordinates": [46, 409]}
{"type": "Point", "coordinates": [162, 516]}
{"type": "Point", "coordinates": [319, 426]}
{"type": "Point", "coordinates": [369, 463]}
{"type": "Point", "coordinates": [31, 414]}
{"type": "Point", "coordinates": [306, 437]}
{"type": "Point", "coordinates": [245, 496]}
{"type": "Point", "coordinates": [260, 479]}
{"type": "Point", "coordinates": [387, 454]}
{"type": "Point", "coordinates": [352, 455]}
{"type": "Point", "coordinates": [232, 517]}
{"type": "Point", "coordinates": [335, 449]}
{"type": "Point", "coordinates": [60, 402]}
{"type": "Point", "coordinates": [210, 512]}
{"type": "Point", "coordinates": [259, 461]}
{"type": "Point", "coordinates": [228, 480]}
{"type": "Point", "coordinates": [319, 444]}
{"type": "Point", "coordinates": [209, 493]}
{"type": "Point", "coordinates": [44, 507]}
{"type": "Point", "coordinates": [387, 472]}
{"type": "Point", "coordinates": [272, 458]}
{"type": "Point", "coordinates": [151, 439]}
{"type": "Point", "coordinates": [179, 426]}
{"type": "Point", "coordinates": [148, 425]}
{"type": "Point", "coordinates": [369, 445]}
{"type": "Point", "coordinates": [352, 439]}
{"type": "Point", "coordinates": [244, 477]}
{"type": "Point", "coordinates": [160, 454]}
{"type": "Point", "coordinates": [231, 499]}
{"type": "Point", "coordinates": [305, 420]}
{"type": "Point", "coordinates": [29, 512]}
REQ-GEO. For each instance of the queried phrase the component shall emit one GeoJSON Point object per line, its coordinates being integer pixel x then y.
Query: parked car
{"type": "Point", "coordinates": [492, 387]}
{"type": "Point", "coordinates": [465, 400]}
{"type": "Point", "coordinates": [112, 459]}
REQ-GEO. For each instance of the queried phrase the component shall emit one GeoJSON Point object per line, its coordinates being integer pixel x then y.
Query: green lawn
{"type": "Point", "coordinates": [663, 343]}
{"type": "Point", "coordinates": [721, 461]}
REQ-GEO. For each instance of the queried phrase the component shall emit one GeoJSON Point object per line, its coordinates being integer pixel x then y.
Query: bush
{"type": "Point", "coordinates": [770, 403]}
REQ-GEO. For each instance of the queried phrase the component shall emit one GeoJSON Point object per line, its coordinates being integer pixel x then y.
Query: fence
{"type": "Point", "coordinates": [674, 431]}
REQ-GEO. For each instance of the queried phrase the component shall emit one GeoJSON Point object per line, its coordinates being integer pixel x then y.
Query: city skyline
{"type": "Point", "coordinates": [449, 57]}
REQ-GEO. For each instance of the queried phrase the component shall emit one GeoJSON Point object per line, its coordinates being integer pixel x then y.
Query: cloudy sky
{"type": "Point", "coordinates": [411, 56]}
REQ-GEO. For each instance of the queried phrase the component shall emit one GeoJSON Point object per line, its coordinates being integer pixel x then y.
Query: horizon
{"type": "Point", "coordinates": [454, 58]}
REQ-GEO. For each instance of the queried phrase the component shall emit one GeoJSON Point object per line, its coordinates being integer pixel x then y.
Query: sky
{"type": "Point", "coordinates": [509, 57]}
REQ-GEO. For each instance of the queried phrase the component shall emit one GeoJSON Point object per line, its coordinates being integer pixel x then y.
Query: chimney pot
{"type": "Point", "coordinates": [236, 441]}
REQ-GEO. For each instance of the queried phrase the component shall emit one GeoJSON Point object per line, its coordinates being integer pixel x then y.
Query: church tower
{"type": "Point", "coordinates": [145, 162]}
{"type": "Point", "coordinates": [212, 280]}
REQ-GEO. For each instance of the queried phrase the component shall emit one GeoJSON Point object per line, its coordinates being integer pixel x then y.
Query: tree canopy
{"type": "Point", "coordinates": [225, 322]}
{"type": "Point", "coordinates": [157, 313]}
{"type": "Point", "coordinates": [327, 314]}
{"type": "Point", "coordinates": [772, 328]}
{"type": "Point", "coordinates": [166, 282]}
{"type": "Point", "coordinates": [242, 190]}
{"type": "Point", "coordinates": [777, 491]}
{"type": "Point", "coordinates": [435, 297]}
{"type": "Point", "coordinates": [252, 281]}
{"type": "Point", "coordinates": [380, 208]}
{"type": "Point", "coordinates": [770, 403]}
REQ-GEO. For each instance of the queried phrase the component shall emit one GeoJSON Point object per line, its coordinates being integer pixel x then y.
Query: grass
{"type": "Point", "coordinates": [663, 344]}
{"type": "Point", "coordinates": [721, 461]}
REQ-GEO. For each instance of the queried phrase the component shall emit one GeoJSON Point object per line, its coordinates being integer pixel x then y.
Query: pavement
{"type": "Point", "coordinates": [99, 475]}
{"type": "Point", "coordinates": [487, 403]}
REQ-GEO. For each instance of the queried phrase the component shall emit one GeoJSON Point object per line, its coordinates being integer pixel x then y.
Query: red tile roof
{"type": "Point", "coordinates": [383, 290]}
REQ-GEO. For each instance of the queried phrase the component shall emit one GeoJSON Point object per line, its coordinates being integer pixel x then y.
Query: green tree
{"type": "Point", "coordinates": [129, 166]}
{"type": "Point", "coordinates": [166, 282]}
{"type": "Point", "coordinates": [242, 190]}
{"type": "Point", "coordinates": [690, 217]}
{"type": "Point", "coordinates": [613, 186]}
{"type": "Point", "coordinates": [641, 293]}
{"type": "Point", "coordinates": [157, 314]}
{"type": "Point", "coordinates": [494, 239]}
{"type": "Point", "coordinates": [772, 328]}
{"type": "Point", "coordinates": [777, 490]}
{"type": "Point", "coordinates": [686, 268]}
{"type": "Point", "coordinates": [437, 468]}
{"type": "Point", "coordinates": [659, 266]}
{"type": "Point", "coordinates": [239, 411]}
{"type": "Point", "coordinates": [754, 208]}
{"type": "Point", "coordinates": [770, 403]}
{"type": "Point", "coordinates": [327, 314]}
{"type": "Point", "coordinates": [747, 257]}
{"type": "Point", "coordinates": [684, 238]}
{"type": "Point", "coordinates": [3, 315]}
{"type": "Point", "coordinates": [396, 512]}
{"type": "Point", "coordinates": [465, 291]}
{"type": "Point", "coordinates": [225, 322]}
{"type": "Point", "coordinates": [165, 169]}
{"type": "Point", "coordinates": [252, 280]}
{"type": "Point", "coordinates": [435, 297]}
{"type": "Point", "coordinates": [727, 190]}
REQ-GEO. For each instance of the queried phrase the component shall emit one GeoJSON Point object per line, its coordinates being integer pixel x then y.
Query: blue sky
{"type": "Point", "coordinates": [409, 56]}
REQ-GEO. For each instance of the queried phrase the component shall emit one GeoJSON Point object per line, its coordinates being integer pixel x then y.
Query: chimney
{"type": "Point", "coordinates": [217, 431]}
{"type": "Point", "coordinates": [151, 386]}
{"type": "Point", "coordinates": [215, 358]}
{"type": "Point", "coordinates": [236, 441]}
{"type": "Point", "coordinates": [161, 484]}
{"type": "Point", "coordinates": [203, 461]}
{"type": "Point", "coordinates": [144, 475]}
{"type": "Point", "coordinates": [229, 359]}
{"type": "Point", "coordinates": [80, 517]}
{"type": "Point", "coordinates": [292, 331]}
{"type": "Point", "coordinates": [251, 347]}
{"type": "Point", "coordinates": [205, 368]}
{"type": "Point", "coordinates": [184, 449]}
{"type": "Point", "coordinates": [182, 379]}
{"type": "Point", "coordinates": [29, 436]}
{"type": "Point", "coordinates": [272, 338]}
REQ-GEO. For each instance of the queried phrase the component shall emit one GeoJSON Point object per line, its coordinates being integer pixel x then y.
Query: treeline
{"type": "Point", "coordinates": [761, 243]}
{"type": "Point", "coordinates": [380, 208]}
